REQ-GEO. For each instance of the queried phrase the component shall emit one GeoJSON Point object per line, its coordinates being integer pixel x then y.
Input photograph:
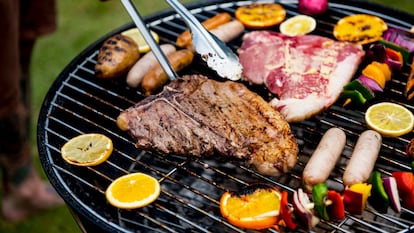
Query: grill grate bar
{"type": "Point", "coordinates": [388, 218]}
{"type": "Point", "coordinates": [191, 187]}
{"type": "Point", "coordinates": [159, 224]}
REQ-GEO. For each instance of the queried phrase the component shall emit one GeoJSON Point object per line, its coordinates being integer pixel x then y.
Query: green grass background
{"type": "Point", "coordinates": [80, 23]}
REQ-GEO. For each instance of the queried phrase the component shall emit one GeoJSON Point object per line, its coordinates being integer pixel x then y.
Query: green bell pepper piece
{"type": "Point", "coordinates": [379, 198]}
{"type": "Point", "coordinates": [352, 98]}
{"type": "Point", "coordinates": [357, 85]}
{"type": "Point", "coordinates": [319, 196]}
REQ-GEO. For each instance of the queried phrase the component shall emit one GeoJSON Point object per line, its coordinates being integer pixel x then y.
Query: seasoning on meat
{"type": "Point", "coordinates": [197, 116]}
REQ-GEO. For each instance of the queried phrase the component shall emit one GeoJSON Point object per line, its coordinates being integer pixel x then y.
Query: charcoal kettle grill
{"type": "Point", "coordinates": [78, 103]}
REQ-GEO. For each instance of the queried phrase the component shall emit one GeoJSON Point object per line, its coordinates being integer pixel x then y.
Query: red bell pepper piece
{"type": "Point", "coordinates": [355, 197]}
{"type": "Point", "coordinates": [405, 186]}
{"type": "Point", "coordinates": [286, 211]}
{"type": "Point", "coordinates": [395, 58]}
{"type": "Point", "coordinates": [353, 202]}
{"type": "Point", "coordinates": [337, 209]}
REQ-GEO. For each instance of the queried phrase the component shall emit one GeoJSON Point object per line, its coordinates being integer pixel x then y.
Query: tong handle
{"type": "Point", "coordinates": [139, 22]}
{"type": "Point", "coordinates": [196, 28]}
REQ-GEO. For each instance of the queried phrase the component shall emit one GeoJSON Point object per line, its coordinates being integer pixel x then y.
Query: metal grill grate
{"type": "Point", "coordinates": [79, 103]}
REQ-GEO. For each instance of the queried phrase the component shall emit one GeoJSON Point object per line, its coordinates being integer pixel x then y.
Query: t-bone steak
{"type": "Point", "coordinates": [307, 73]}
{"type": "Point", "coordinates": [198, 116]}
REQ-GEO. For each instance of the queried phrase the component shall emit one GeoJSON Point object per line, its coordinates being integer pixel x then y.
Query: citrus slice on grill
{"type": "Point", "coordinates": [298, 25]}
{"type": "Point", "coordinates": [389, 119]}
{"type": "Point", "coordinates": [136, 35]}
{"type": "Point", "coordinates": [260, 15]}
{"type": "Point", "coordinates": [256, 207]}
{"type": "Point", "coordinates": [132, 191]}
{"type": "Point", "coordinates": [87, 149]}
{"type": "Point", "coordinates": [360, 28]}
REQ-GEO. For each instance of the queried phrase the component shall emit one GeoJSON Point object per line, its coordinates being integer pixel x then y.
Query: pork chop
{"type": "Point", "coordinates": [307, 73]}
{"type": "Point", "coordinates": [197, 116]}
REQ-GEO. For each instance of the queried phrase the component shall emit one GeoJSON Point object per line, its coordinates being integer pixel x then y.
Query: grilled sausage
{"type": "Point", "coordinates": [145, 64]}
{"type": "Point", "coordinates": [363, 158]}
{"type": "Point", "coordinates": [156, 77]}
{"type": "Point", "coordinates": [184, 39]}
{"type": "Point", "coordinates": [324, 158]}
{"type": "Point", "coordinates": [228, 31]}
{"type": "Point", "coordinates": [225, 32]}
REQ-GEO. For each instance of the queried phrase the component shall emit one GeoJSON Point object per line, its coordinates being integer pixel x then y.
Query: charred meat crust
{"type": "Point", "coordinates": [197, 116]}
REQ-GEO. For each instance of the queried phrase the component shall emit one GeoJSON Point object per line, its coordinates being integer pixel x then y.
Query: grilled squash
{"type": "Point", "coordinates": [360, 28]}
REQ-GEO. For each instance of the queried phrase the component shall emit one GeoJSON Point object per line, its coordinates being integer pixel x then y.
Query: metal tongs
{"type": "Point", "coordinates": [212, 50]}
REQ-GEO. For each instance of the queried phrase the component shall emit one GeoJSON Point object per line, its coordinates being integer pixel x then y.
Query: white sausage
{"type": "Point", "coordinates": [363, 158]}
{"type": "Point", "coordinates": [225, 32]}
{"type": "Point", "coordinates": [228, 31]}
{"type": "Point", "coordinates": [145, 64]}
{"type": "Point", "coordinates": [324, 158]}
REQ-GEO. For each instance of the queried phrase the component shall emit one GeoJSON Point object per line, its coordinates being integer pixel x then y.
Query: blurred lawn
{"type": "Point", "coordinates": [80, 24]}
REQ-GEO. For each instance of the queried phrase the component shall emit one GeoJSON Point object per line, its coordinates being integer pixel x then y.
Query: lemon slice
{"type": "Point", "coordinates": [389, 119]}
{"type": "Point", "coordinates": [136, 35]}
{"type": "Point", "coordinates": [132, 191]}
{"type": "Point", "coordinates": [298, 25]}
{"type": "Point", "coordinates": [87, 149]}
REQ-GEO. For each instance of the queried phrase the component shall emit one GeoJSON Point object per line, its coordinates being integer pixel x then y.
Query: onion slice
{"type": "Point", "coordinates": [390, 186]}
{"type": "Point", "coordinates": [312, 7]}
{"type": "Point", "coordinates": [370, 83]}
{"type": "Point", "coordinates": [302, 205]}
{"type": "Point", "coordinates": [400, 37]}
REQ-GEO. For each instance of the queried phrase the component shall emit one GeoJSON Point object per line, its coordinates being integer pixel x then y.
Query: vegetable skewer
{"type": "Point", "coordinates": [409, 92]}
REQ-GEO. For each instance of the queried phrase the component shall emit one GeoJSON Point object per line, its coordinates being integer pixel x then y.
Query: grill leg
{"type": "Point", "coordinates": [85, 225]}
{"type": "Point", "coordinates": [78, 220]}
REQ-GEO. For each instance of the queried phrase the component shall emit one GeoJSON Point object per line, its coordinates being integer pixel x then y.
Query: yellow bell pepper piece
{"type": "Point", "coordinates": [386, 70]}
{"type": "Point", "coordinates": [375, 73]}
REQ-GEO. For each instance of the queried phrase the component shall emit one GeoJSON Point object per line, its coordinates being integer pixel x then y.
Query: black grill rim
{"type": "Point", "coordinates": [53, 175]}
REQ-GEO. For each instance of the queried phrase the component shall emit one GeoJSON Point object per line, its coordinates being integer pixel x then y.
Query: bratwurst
{"type": "Point", "coordinates": [324, 158]}
{"type": "Point", "coordinates": [363, 158]}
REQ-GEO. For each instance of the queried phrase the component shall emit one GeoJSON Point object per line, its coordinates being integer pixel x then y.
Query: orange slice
{"type": "Point", "coordinates": [260, 15]}
{"type": "Point", "coordinates": [360, 28]}
{"type": "Point", "coordinates": [255, 208]}
{"type": "Point", "coordinates": [389, 119]}
{"type": "Point", "coordinates": [132, 191]}
{"type": "Point", "coordinates": [87, 149]}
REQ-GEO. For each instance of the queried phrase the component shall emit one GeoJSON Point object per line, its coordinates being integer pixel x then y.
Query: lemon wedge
{"type": "Point", "coordinates": [87, 149]}
{"type": "Point", "coordinates": [136, 35]}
